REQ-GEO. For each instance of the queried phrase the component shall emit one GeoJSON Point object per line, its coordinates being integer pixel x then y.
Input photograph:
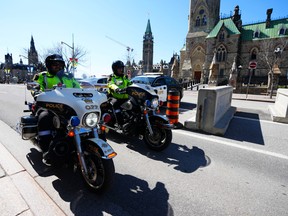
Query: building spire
{"type": "Point", "coordinates": [148, 28]}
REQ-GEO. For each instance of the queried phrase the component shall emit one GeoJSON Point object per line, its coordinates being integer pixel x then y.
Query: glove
{"type": "Point", "coordinates": [120, 91]}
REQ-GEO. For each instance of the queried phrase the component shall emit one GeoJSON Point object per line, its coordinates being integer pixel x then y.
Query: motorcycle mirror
{"type": "Point", "coordinates": [33, 86]}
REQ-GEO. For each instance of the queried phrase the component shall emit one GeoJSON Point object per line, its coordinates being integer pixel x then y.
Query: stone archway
{"type": "Point", "coordinates": [197, 61]}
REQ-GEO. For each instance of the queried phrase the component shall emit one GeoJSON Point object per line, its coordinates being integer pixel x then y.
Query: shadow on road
{"type": "Point", "coordinates": [180, 157]}
{"type": "Point", "coordinates": [184, 107]}
{"type": "Point", "coordinates": [127, 196]}
{"type": "Point", "coordinates": [245, 127]}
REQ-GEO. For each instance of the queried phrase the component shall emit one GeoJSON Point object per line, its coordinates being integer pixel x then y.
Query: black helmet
{"type": "Point", "coordinates": [116, 65]}
{"type": "Point", "coordinates": [53, 58]}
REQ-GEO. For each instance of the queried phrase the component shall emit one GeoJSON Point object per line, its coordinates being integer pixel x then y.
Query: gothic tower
{"type": "Point", "coordinates": [203, 16]}
{"type": "Point", "coordinates": [148, 49]}
{"type": "Point", "coordinates": [32, 53]}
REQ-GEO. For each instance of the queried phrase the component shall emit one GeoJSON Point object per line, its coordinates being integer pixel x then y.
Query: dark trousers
{"type": "Point", "coordinates": [45, 128]}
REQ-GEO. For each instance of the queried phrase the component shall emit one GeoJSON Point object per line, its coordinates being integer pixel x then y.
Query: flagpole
{"type": "Point", "coordinates": [73, 56]}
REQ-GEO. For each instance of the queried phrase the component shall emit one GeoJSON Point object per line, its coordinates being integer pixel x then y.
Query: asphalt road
{"type": "Point", "coordinates": [241, 173]}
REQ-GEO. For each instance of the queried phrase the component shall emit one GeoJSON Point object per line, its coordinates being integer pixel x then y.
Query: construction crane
{"type": "Point", "coordinates": [129, 49]}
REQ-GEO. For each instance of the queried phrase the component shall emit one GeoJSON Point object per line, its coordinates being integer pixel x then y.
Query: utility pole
{"type": "Point", "coordinates": [73, 60]}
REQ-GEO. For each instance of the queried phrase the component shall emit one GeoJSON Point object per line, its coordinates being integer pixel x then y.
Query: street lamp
{"type": "Point", "coordinates": [73, 55]}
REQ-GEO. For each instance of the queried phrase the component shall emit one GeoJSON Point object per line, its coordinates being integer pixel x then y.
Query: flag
{"type": "Point", "coordinates": [74, 62]}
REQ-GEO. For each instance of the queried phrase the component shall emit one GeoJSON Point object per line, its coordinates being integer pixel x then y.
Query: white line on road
{"type": "Point", "coordinates": [251, 119]}
{"type": "Point", "coordinates": [273, 154]}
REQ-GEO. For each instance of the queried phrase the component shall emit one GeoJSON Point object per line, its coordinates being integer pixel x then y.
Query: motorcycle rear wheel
{"type": "Point", "coordinates": [160, 139]}
{"type": "Point", "coordinates": [100, 171]}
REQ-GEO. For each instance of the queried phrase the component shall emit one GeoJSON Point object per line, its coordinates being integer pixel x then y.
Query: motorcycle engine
{"type": "Point", "coordinates": [59, 147]}
{"type": "Point", "coordinates": [129, 122]}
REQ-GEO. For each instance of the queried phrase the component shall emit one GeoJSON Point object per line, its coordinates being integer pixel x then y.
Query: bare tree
{"type": "Point", "coordinates": [67, 53]}
{"type": "Point", "coordinates": [272, 56]}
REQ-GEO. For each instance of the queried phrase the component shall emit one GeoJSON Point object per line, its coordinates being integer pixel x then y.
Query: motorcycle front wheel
{"type": "Point", "coordinates": [160, 139]}
{"type": "Point", "coordinates": [100, 171]}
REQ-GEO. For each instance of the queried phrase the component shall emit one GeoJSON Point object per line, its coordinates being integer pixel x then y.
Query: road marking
{"type": "Point", "coordinates": [251, 119]}
{"type": "Point", "coordinates": [273, 154]}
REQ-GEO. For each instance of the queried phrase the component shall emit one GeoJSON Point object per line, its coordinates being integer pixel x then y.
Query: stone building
{"type": "Point", "coordinates": [221, 50]}
{"type": "Point", "coordinates": [146, 64]}
{"type": "Point", "coordinates": [19, 72]}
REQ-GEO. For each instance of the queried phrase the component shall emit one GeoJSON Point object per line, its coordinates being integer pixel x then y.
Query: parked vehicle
{"type": "Point", "coordinates": [99, 83]}
{"type": "Point", "coordinates": [137, 117]}
{"type": "Point", "coordinates": [76, 115]}
{"type": "Point", "coordinates": [160, 83]}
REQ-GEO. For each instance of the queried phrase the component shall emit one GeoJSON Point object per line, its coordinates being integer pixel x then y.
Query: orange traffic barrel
{"type": "Point", "coordinates": [172, 111]}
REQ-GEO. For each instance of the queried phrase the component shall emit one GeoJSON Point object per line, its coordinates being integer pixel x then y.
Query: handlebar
{"type": "Point", "coordinates": [121, 91]}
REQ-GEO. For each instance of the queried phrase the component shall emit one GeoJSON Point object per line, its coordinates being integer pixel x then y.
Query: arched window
{"type": "Point", "coordinates": [201, 19]}
{"type": "Point", "coordinates": [197, 21]}
{"type": "Point", "coordinates": [282, 31]}
{"type": "Point", "coordinates": [256, 34]}
{"type": "Point", "coordinates": [221, 36]}
{"type": "Point", "coordinates": [253, 55]}
{"type": "Point", "coordinates": [204, 20]}
{"type": "Point", "coordinates": [221, 53]}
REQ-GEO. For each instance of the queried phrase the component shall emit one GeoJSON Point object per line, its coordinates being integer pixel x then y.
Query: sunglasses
{"type": "Point", "coordinates": [55, 64]}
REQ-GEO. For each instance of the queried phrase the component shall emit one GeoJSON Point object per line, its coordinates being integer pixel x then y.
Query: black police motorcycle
{"type": "Point", "coordinates": [138, 116]}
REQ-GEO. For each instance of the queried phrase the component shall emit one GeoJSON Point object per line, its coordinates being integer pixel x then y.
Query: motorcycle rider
{"type": "Point", "coordinates": [53, 76]}
{"type": "Point", "coordinates": [117, 83]}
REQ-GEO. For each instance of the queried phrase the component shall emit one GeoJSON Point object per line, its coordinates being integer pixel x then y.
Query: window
{"type": "Point", "coordinates": [221, 36]}
{"type": "Point", "coordinates": [253, 55]}
{"type": "Point", "coordinates": [256, 34]}
{"type": "Point", "coordinates": [197, 21]}
{"type": "Point", "coordinates": [160, 81]}
{"type": "Point", "coordinates": [201, 19]}
{"type": "Point", "coordinates": [282, 31]}
{"type": "Point", "coordinates": [204, 20]}
{"type": "Point", "coordinates": [221, 73]}
{"type": "Point", "coordinates": [170, 81]}
{"type": "Point", "coordinates": [221, 54]}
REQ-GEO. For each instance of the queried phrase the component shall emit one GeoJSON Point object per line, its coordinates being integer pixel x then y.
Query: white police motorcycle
{"type": "Point", "coordinates": [76, 115]}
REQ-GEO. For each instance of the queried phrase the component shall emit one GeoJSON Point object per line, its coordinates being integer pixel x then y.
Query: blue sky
{"type": "Point", "coordinates": [93, 21]}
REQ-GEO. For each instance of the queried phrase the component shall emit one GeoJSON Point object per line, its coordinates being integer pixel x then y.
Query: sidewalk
{"type": "Point", "coordinates": [253, 97]}
{"type": "Point", "coordinates": [20, 194]}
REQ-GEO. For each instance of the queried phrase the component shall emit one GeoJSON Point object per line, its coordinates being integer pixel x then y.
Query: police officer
{"type": "Point", "coordinates": [53, 76]}
{"type": "Point", "coordinates": [117, 83]}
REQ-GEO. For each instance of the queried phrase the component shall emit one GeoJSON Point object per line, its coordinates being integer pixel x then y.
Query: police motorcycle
{"type": "Point", "coordinates": [76, 116]}
{"type": "Point", "coordinates": [138, 116]}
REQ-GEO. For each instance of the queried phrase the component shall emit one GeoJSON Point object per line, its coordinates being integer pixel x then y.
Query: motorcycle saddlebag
{"type": "Point", "coordinates": [28, 127]}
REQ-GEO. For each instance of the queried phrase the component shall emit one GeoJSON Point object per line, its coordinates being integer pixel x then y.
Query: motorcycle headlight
{"type": "Point", "coordinates": [91, 119]}
{"type": "Point", "coordinates": [154, 103]}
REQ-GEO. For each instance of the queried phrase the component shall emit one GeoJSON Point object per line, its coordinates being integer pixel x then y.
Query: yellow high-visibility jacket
{"type": "Point", "coordinates": [47, 80]}
{"type": "Point", "coordinates": [115, 82]}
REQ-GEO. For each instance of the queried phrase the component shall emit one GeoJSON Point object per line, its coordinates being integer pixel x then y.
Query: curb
{"type": "Point", "coordinates": [20, 192]}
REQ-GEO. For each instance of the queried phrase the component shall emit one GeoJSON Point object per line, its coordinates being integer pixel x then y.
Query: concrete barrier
{"type": "Point", "coordinates": [214, 111]}
{"type": "Point", "coordinates": [279, 110]}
